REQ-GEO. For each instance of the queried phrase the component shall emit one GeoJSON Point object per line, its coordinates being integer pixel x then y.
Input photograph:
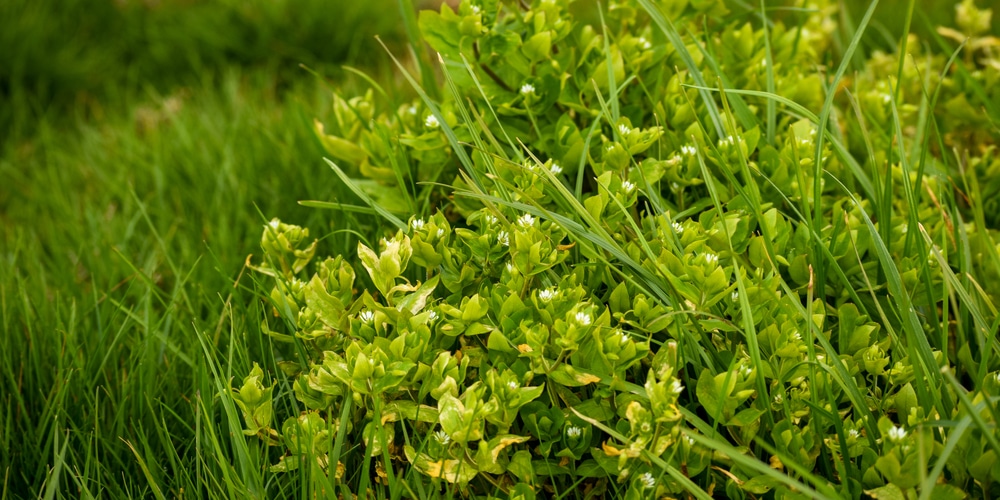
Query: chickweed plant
{"type": "Point", "coordinates": [640, 249]}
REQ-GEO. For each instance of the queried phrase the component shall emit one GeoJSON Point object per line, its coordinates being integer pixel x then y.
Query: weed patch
{"type": "Point", "coordinates": [675, 249]}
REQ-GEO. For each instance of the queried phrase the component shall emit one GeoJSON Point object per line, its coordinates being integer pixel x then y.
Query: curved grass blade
{"type": "Point", "coordinates": [675, 39]}
{"type": "Point", "coordinates": [364, 196]}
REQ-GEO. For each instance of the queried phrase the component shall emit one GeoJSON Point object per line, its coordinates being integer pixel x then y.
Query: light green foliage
{"type": "Point", "coordinates": [255, 401]}
{"type": "Point", "coordinates": [634, 283]}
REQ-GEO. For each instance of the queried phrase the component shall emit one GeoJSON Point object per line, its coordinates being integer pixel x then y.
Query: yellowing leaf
{"type": "Point", "coordinates": [453, 471]}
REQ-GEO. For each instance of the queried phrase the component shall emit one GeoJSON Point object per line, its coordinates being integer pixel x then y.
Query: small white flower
{"type": "Point", "coordinates": [896, 434]}
{"type": "Point", "coordinates": [546, 295]}
{"type": "Point", "coordinates": [710, 257]}
{"type": "Point", "coordinates": [645, 427]}
{"type": "Point", "coordinates": [886, 98]}
{"type": "Point", "coordinates": [442, 437]}
{"type": "Point", "coordinates": [812, 132]}
{"type": "Point", "coordinates": [689, 440]}
{"type": "Point", "coordinates": [676, 387]}
{"type": "Point", "coordinates": [512, 385]}
{"type": "Point", "coordinates": [527, 88]}
{"type": "Point", "coordinates": [555, 169]}
{"type": "Point", "coordinates": [628, 187]}
{"type": "Point", "coordinates": [763, 63]}
{"type": "Point", "coordinates": [620, 336]}
{"type": "Point", "coordinates": [675, 186]}
{"type": "Point", "coordinates": [675, 159]}
{"type": "Point", "coordinates": [526, 220]}
{"type": "Point", "coordinates": [804, 141]}
{"type": "Point", "coordinates": [623, 129]}
{"type": "Point", "coordinates": [431, 122]}
{"type": "Point", "coordinates": [412, 110]}
{"type": "Point", "coordinates": [796, 336]}
{"type": "Point", "coordinates": [778, 398]}
{"type": "Point", "coordinates": [745, 371]}
{"type": "Point", "coordinates": [417, 224]}
{"type": "Point", "coordinates": [503, 238]}
{"type": "Point", "coordinates": [689, 150]}
{"type": "Point", "coordinates": [611, 147]}
{"type": "Point", "coordinates": [644, 43]}
{"type": "Point", "coordinates": [678, 228]}
{"type": "Point", "coordinates": [366, 316]}
{"type": "Point", "coordinates": [647, 480]}
{"type": "Point", "coordinates": [490, 219]}
{"type": "Point", "coordinates": [735, 296]}
{"type": "Point", "coordinates": [432, 316]}
{"type": "Point", "coordinates": [996, 377]}
{"type": "Point", "coordinates": [583, 318]}
{"type": "Point", "coordinates": [274, 223]}
{"type": "Point", "coordinates": [853, 434]}
{"type": "Point", "coordinates": [574, 431]}
{"type": "Point", "coordinates": [440, 232]}
{"type": "Point", "coordinates": [475, 9]}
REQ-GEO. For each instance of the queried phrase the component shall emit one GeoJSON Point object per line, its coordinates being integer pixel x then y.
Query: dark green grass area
{"type": "Point", "coordinates": [121, 239]}
{"type": "Point", "coordinates": [69, 56]}
{"type": "Point", "coordinates": [141, 144]}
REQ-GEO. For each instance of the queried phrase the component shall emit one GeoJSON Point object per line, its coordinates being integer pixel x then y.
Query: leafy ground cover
{"type": "Point", "coordinates": [705, 251]}
{"type": "Point", "coordinates": [674, 250]}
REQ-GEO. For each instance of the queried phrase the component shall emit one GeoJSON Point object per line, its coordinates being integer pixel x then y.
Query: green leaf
{"type": "Point", "coordinates": [619, 300]}
{"type": "Point", "coordinates": [416, 301]}
{"type": "Point", "coordinates": [538, 46]}
{"type": "Point", "coordinates": [453, 471]}
{"type": "Point", "coordinates": [339, 147]}
{"type": "Point", "coordinates": [474, 308]}
{"type": "Point", "coordinates": [329, 308]}
{"type": "Point", "coordinates": [887, 492]}
{"type": "Point", "coordinates": [759, 485]}
{"type": "Point", "coordinates": [441, 31]}
{"type": "Point", "coordinates": [571, 377]}
{"type": "Point", "coordinates": [708, 394]}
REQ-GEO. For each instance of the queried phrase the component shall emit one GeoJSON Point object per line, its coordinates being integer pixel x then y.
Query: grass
{"type": "Point", "coordinates": [124, 238]}
{"type": "Point", "coordinates": [130, 205]}
{"type": "Point", "coordinates": [134, 191]}
{"type": "Point", "coordinates": [71, 56]}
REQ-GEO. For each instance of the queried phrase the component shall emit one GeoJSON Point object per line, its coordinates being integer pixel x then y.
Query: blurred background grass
{"type": "Point", "coordinates": [68, 55]}
{"type": "Point", "coordinates": [142, 143]}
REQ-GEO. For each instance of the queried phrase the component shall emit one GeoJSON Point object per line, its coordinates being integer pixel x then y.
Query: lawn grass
{"type": "Point", "coordinates": [128, 210]}
{"type": "Point", "coordinates": [127, 221]}
{"type": "Point", "coordinates": [140, 144]}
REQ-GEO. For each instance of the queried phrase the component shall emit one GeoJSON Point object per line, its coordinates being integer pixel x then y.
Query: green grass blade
{"type": "Point", "coordinates": [364, 196]}
{"type": "Point", "coordinates": [668, 29]}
